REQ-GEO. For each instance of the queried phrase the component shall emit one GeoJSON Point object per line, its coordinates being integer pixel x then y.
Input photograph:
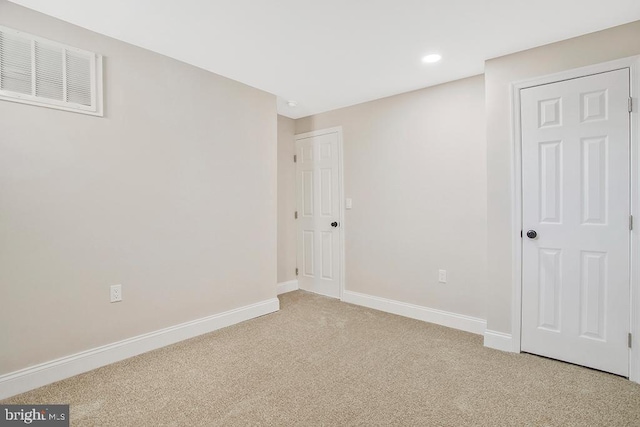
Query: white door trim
{"type": "Point", "coordinates": [633, 63]}
{"type": "Point", "coordinates": [337, 130]}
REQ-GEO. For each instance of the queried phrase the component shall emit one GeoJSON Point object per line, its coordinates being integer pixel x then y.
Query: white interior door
{"type": "Point", "coordinates": [318, 207]}
{"type": "Point", "coordinates": [576, 198]}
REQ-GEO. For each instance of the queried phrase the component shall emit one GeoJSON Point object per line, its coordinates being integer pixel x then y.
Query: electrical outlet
{"type": "Point", "coordinates": [442, 276]}
{"type": "Point", "coordinates": [116, 293]}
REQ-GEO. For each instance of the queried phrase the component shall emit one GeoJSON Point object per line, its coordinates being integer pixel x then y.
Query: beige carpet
{"type": "Point", "coordinates": [323, 362]}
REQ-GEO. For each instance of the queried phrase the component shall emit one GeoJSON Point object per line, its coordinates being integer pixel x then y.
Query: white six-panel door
{"type": "Point", "coordinates": [576, 198]}
{"type": "Point", "coordinates": [318, 207]}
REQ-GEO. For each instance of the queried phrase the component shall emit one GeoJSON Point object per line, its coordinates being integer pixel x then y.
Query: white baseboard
{"type": "Point", "coordinates": [46, 373]}
{"type": "Point", "coordinates": [284, 287]}
{"type": "Point", "coordinates": [498, 341]}
{"type": "Point", "coordinates": [439, 317]}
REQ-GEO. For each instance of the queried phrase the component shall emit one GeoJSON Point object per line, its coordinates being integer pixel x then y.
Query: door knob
{"type": "Point", "coordinates": [532, 234]}
{"type": "Point", "coordinates": [334, 224]}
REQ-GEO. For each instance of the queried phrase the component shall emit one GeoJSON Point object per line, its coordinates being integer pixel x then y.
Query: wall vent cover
{"type": "Point", "coordinates": [42, 72]}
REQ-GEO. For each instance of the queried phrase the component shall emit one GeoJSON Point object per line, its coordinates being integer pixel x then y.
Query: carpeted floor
{"type": "Point", "coordinates": [323, 362]}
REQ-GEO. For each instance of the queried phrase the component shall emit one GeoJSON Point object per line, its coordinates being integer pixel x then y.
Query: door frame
{"type": "Point", "coordinates": [341, 229]}
{"type": "Point", "coordinates": [633, 63]}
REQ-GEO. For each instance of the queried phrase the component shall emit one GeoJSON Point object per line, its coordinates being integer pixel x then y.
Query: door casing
{"type": "Point", "coordinates": [341, 230]}
{"type": "Point", "coordinates": [633, 63]}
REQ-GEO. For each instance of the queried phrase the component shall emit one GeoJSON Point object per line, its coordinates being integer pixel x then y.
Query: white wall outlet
{"type": "Point", "coordinates": [116, 293]}
{"type": "Point", "coordinates": [442, 276]}
{"type": "Point", "coordinates": [348, 203]}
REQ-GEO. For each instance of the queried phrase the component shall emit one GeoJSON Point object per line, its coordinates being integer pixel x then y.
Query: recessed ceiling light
{"type": "Point", "coordinates": [430, 59]}
{"type": "Point", "coordinates": [292, 103]}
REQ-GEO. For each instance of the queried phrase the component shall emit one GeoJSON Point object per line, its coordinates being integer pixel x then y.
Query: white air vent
{"type": "Point", "coordinates": [41, 72]}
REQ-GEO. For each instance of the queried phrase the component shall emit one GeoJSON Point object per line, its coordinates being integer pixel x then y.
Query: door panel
{"type": "Point", "coordinates": [593, 284]}
{"type": "Point", "coordinates": [575, 186]}
{"type": "Point", "coordinates": [550, 182]}
{"type": "Point", "coordinates": [549, 283]}
{"type": "Point", "coordinates": [327, 255]}
{"type": "Point", "coordinates": [318, 193]}
{"type": "Point", "coordinates": [308, 253]}
{"type": "Point", "coordinates": [326, 192]}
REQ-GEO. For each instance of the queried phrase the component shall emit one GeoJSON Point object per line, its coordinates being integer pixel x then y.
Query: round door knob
{"type": "Point", "coordinates": [532, 234]}
{"type": "Point", "coordinates": [334, 224]}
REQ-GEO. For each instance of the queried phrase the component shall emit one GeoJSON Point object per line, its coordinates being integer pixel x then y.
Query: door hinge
{"type": "Point", "coordinates": [630, 339]}
{"type": "Point", "coordinates": [630, 104]}
{"type": "Point", "coordinates": [630, 222]}
{"type": "Point", "coordinates": [295, 158]}
{"type": "Point", "coordinates": [295, 215]}
{"type": "Point", "coordinates": [296, 271]}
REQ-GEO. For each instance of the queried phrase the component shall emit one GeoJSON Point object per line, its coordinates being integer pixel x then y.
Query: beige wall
{"type": "Point", "coordinates": [286, 200]}
{"type": "Point", "coordinates": [172, 194]}
{"type": "Point", "coordinates": [615, 43]}
{"type": "Point", "coordinates": [415, 167]}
